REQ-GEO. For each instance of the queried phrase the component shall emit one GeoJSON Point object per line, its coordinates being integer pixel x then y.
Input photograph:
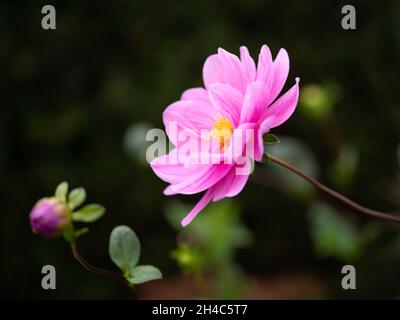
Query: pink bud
{"type": "Point", "coordinates": [49, 217]}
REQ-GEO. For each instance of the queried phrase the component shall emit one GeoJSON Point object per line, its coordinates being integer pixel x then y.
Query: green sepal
{"type": "Point", "coordinates": [62, 191]}
{"type": "Point", "coordinates": [271, 139]}
{"type": "Point", "coordinates": [81, 232]}
{"type": "Point", "coordinates": [76, 197]}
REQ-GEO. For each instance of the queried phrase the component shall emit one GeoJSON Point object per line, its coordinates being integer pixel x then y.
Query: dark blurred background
{"type": "Point", "coordinates": [76, 103]}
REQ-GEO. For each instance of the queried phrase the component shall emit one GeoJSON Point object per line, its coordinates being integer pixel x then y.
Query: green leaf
{"type": "Point", "coordinates": [76, 197]}
{"type": "Point", "coordinates": [142, 274]}
{"type": "Point", "coordinates": [61, 191]}
{"type": "Point", "coordinates": [89, 213]}
{"type": "Point", "coordinates": [271, 139]}
{"type": "Point", "coordinates": [212, 239]}
{"type": "Point", "coordinates": [81, 232]}
{"type": "Point", "coordinates": [345, 166]}
{"type": "Point", "coordinates": [333, 235]}
{"type": "Point", "coordinates": [124, 249]}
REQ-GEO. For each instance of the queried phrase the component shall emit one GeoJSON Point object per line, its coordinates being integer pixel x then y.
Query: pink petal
{"type": "Point", "coordinates": [255, 102]}
{"type": "Point", "coordinates": [189, 116]}
{"type": "Point", "coordinates": [284, 107]}
{"type": "Point", "coordinates": [170, 170]}
{"type": "Point", "coordinates": [237, 185]}
{"type": "Point", "coordinates": [248, 66]}
{"type": "Point", "coordinates": [227, 100]}
{"type": "Point", "coordinates": [224, 68]}
{"type": "Point", "coordinates": [213, 71]}
{"type": "Point", "coordinates": [231, 185]}
{"type": "Point", "coordinates": [195, 94]}
{"type": "Point", "coordinates": [281, 71]}
{"type": "Point", "coordinates": [198, 207]}
{"type": "Point", "coordinates": [223, 187]}
{"type": "Point", "coordinates": [200, 181]}
{"type": "Point", "coordinates": [265, 66]}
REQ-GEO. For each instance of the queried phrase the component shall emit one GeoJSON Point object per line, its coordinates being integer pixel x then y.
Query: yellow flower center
{"type": "Point", "coordinates": [222, 132]}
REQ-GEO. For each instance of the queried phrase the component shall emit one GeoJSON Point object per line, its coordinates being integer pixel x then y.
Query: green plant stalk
{"type": "Point", "coordinates": [200, 282]}
{"type": "Point", "coordinates": [93, 269]}
{"type": "Point", "coordinates": [374, 213]}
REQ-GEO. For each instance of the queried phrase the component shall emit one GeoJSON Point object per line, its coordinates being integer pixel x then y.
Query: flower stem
{"type": "Point", "coordinates": [336, 195]}
{"type": "Point", "coordinates": [200, 283]}
{"type": "Point", "coordinates": [93, 269]}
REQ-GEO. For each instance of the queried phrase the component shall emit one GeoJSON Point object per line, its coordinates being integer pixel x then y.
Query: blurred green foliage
{"type": "Point", "coordinates": [317, 101]}
{"type": "Point", "coordinates": [209, 243]}
{"type": "Point", "coordinates": [336, 236]}
{"type": "Point", "coordinates": [345, 167]}
{"type": "Point", "coordinates": [135, 143]}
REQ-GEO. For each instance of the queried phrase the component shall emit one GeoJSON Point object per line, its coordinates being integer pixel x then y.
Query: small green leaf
{"type": "Point", "coordinates": [89, 213]}
{"type": "Point", "coordinates": [76, 197]}
{"type": "Point", "coordinates": [81, 232]}
{"type": "Point", "coordinates": [124, 249]}
{"type": "Point", "coordinates": [142, 274]}
{"type": "Point", "coordinates": [61, 191]}
{"type": "Point", "coordinates": [271, 139]}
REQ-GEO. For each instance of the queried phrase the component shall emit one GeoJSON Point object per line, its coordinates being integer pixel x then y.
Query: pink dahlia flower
{"type": "Point", "coordinates": [238, 97]}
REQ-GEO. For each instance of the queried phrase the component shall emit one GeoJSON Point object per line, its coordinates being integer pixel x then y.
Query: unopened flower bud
{"type": "Point", "coordinates": [49, 217]}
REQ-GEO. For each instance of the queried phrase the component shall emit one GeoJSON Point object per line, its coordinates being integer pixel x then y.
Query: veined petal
{"type": "Point", "coordinates": [248, 66]}
{"type": "Point", "coordinates": [237, 185]}
{"type": "Point", "coordinates": [255, 102]}
{"type": "Point", "coordinates": [195, 94]}
{"type": "Point", "coordinates": [265, 66]}
{"type": "Point", "coordinates": [205, 199]}
{"type": "Point", "coordinates": [227, 100]}
{"type": "Point", "coordinates": [224, 68]}
{"type": "Point", "coordinates": [223, 187]}
{"type": "Point", "coordinates": [189, 115]}
{"type": "Point", "coordinates": [200, 181]}
{"type": "Point", "coordinates": [169, 169]}
{"type": "Point", "coordinates": [284, 107]}
{"type": "Point", "coordinates": [213, 71]}
{"type": "Point", "coordinates": [280, 73]}
{"type": "Point", "coordinates": [231, 185]}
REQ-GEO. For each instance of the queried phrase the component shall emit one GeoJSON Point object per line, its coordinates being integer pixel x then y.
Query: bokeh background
{"type": "Point", "coordinates": [77, 101]}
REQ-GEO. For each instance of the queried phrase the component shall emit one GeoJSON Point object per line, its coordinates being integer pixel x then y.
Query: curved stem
{"type": "Point", "coordinates": [93, 269]}
{"type": "Point", "coordinates": [336, 195]}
